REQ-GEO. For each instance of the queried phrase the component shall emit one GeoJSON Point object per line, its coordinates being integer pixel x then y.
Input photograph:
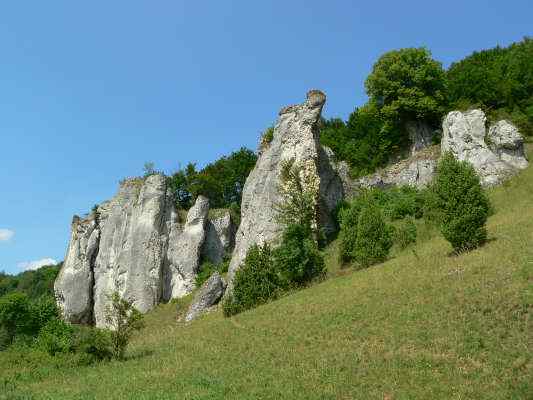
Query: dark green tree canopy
{"type": "Point", "coordinates": [499, 80]}
{"type": "Point", "coordinates": [221, 182]}
{"type": "Point", "coordinates": [407, 84]}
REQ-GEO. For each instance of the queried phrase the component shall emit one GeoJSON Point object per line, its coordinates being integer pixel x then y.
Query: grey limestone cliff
{"type": "Point", "coordinates": [135, 245]}
{"type": "Point", "coordinates": [296, 138]}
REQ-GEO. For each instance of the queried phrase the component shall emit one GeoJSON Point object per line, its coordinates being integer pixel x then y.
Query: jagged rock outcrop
{"type": "Point", "coordinates": [209, 295]}
{"type": "Point", "coordinates": [508, 144]}
{"type": "Point", "coordinates": [220, 237]}
{"type": "Point", "coordinates": [416, 170]}
{"type": "Point", "coordinates": [74, 285]}
{"type": "Point", "coordinates": [496, 154]}
{"type": "Point", "coordinates": [184, 249]}
{"type": "Point", "coordinates": [296, 138]}
{"type": "Point", "coordinates": [134, 244]}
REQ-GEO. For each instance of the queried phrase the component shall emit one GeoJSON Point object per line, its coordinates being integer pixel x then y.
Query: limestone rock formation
{"type": "Point", "coordinates": [74, 285]}
{"type": "Point", "coordinates": [209, 295]}
{"type": "Point", "coordinates": [220, 237]}
{"type": "Point", "coordinates": [496, 155]}
{"type": "Point", "coordinates": [132, 241]}
{"type": "Point", "coordinates": [417, 171]}
{"type": "Point", "coordinates": [184, 249]}
{"type": "Point", "coordinates": [507, 143]}
{"type": "Point", "coordinates": [296, 138]}
{"type": "Point", "coordinates": [135, 245]}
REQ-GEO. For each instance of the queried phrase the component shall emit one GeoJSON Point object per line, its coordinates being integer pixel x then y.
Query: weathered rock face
{"type": "Point", "coordinates": [496, 155]}
{"type": "Point", "coordinates": [417, 171]}
{"type": "Point", "coordinates": [76, 275]}
{"type": "Point", "coordinates": [135, 245]}
{"type": "Point", "coordinates": [220, 238]}
{"type": "Point", "coordinates": [420, 135]}
{"type": "Point", "coordinates": [507, 143]}
{"type": "Point", "coordinates": [132, 242]}
{"type": "Point", "coordinates": [209, 295]}
{"type": "Point", "coordinates": [295, 138]}
{"type": "Point", "coordinates": [184, 249]}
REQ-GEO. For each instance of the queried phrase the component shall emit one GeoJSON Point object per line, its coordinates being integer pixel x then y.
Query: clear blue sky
{"type": "Point", "coordinates": [89, 91]}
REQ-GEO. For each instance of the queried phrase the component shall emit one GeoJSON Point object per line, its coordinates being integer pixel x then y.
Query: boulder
{"type": "Point", "coordinates": [507, 143]}
{"type": "Point", "coordinates": [219, 237]}
{"type": "Point", "coordinates": [496, 154]}
{"type": "Point", "coordinates": [295, 138]}
{"type": "Point", "coordinates": [209, 295]}
{"type": "Point", "coordinates": [74, 286]}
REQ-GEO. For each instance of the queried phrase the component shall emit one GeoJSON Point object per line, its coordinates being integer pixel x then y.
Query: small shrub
{"type": "Point", "coordinates": [405, 233]}
{"type": "Point", "coordinates": [124, 320]}
{"type": "Point", "coordinates": [374, 237]}
{"type": "Point", "coordinates": [5, 339]}
{"type": "Point", "coordinates": [92, 344]}
{"type": "Point", "coordinates": [268, 135]}
{"type": "Point", "coordinates": [348, 218]}
{"type": "Point", "coordinates": [55, 337]}
{"type": "Point", "coordinates": [459, 204]}
{"type": "Point", "coordinates": [255, 283]}
{"type": "Point", "coordinates": [299, 190]}
{"type": "Point", "coordinates": [297, 259]}
{"type": "Point", "coordinates": [16, 315]}
{"type": "Point", "coordinates": [206, 270]}
{"type": "Point", "coordinates": [44, 310]}
{"type": "Point", "coordinates": [149, 169]}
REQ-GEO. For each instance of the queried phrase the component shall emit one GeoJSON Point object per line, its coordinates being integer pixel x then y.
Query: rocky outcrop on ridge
{"type": "Point", "coordinates": [135, 245]}
{"type": "Point", "coordinates": [296, 138]}
{"type": "Point", "coordinates": [496, 154]}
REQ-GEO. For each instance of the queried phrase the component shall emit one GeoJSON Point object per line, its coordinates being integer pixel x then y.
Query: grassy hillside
{"type": "Point", "coordinates": [424, 325]}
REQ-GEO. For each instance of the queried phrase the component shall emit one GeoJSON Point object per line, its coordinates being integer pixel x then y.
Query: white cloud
{"type": "Point", "coordinates": [28, 265]}
{"type": "Point", "coordinates": [5, 235]}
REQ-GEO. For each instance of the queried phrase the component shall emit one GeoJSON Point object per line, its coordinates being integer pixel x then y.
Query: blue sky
{"type": "Point", "coordinates": [90, 91]}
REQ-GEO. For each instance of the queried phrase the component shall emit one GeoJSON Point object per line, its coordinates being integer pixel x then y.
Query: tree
{"type": "Point", "coordinates": [459, 203]}
{"type": "Point", "coordinates": [297, 259]}
{"type": "Point", "coordinates": [255, 283]}
{"type": "Point", "coordinates": [34, 283]}
{"type": "Point", "coordinates": [222, 181]}
{"type": "Point", "coordinates": [499, 80]}
{"type": "Point", "coordinates": [374, 237]}
{"type": "Point", "coordinates": [124, 320]}
{"type": "Point", "coordinates": [16, 315]}
{"type": "Point", "coordinates": [404, 85]}
{"type": "Point", "coordinates": [407, 84]}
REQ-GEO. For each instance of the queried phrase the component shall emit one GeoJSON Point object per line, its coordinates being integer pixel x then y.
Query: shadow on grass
{"type": "Point", "coordinates": [137, 355]}
{"type": "Point", "coordinates": [460, 252]}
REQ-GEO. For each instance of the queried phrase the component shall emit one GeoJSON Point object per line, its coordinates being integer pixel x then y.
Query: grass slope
{"type": "Point", "coordinates": [424, 325]}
